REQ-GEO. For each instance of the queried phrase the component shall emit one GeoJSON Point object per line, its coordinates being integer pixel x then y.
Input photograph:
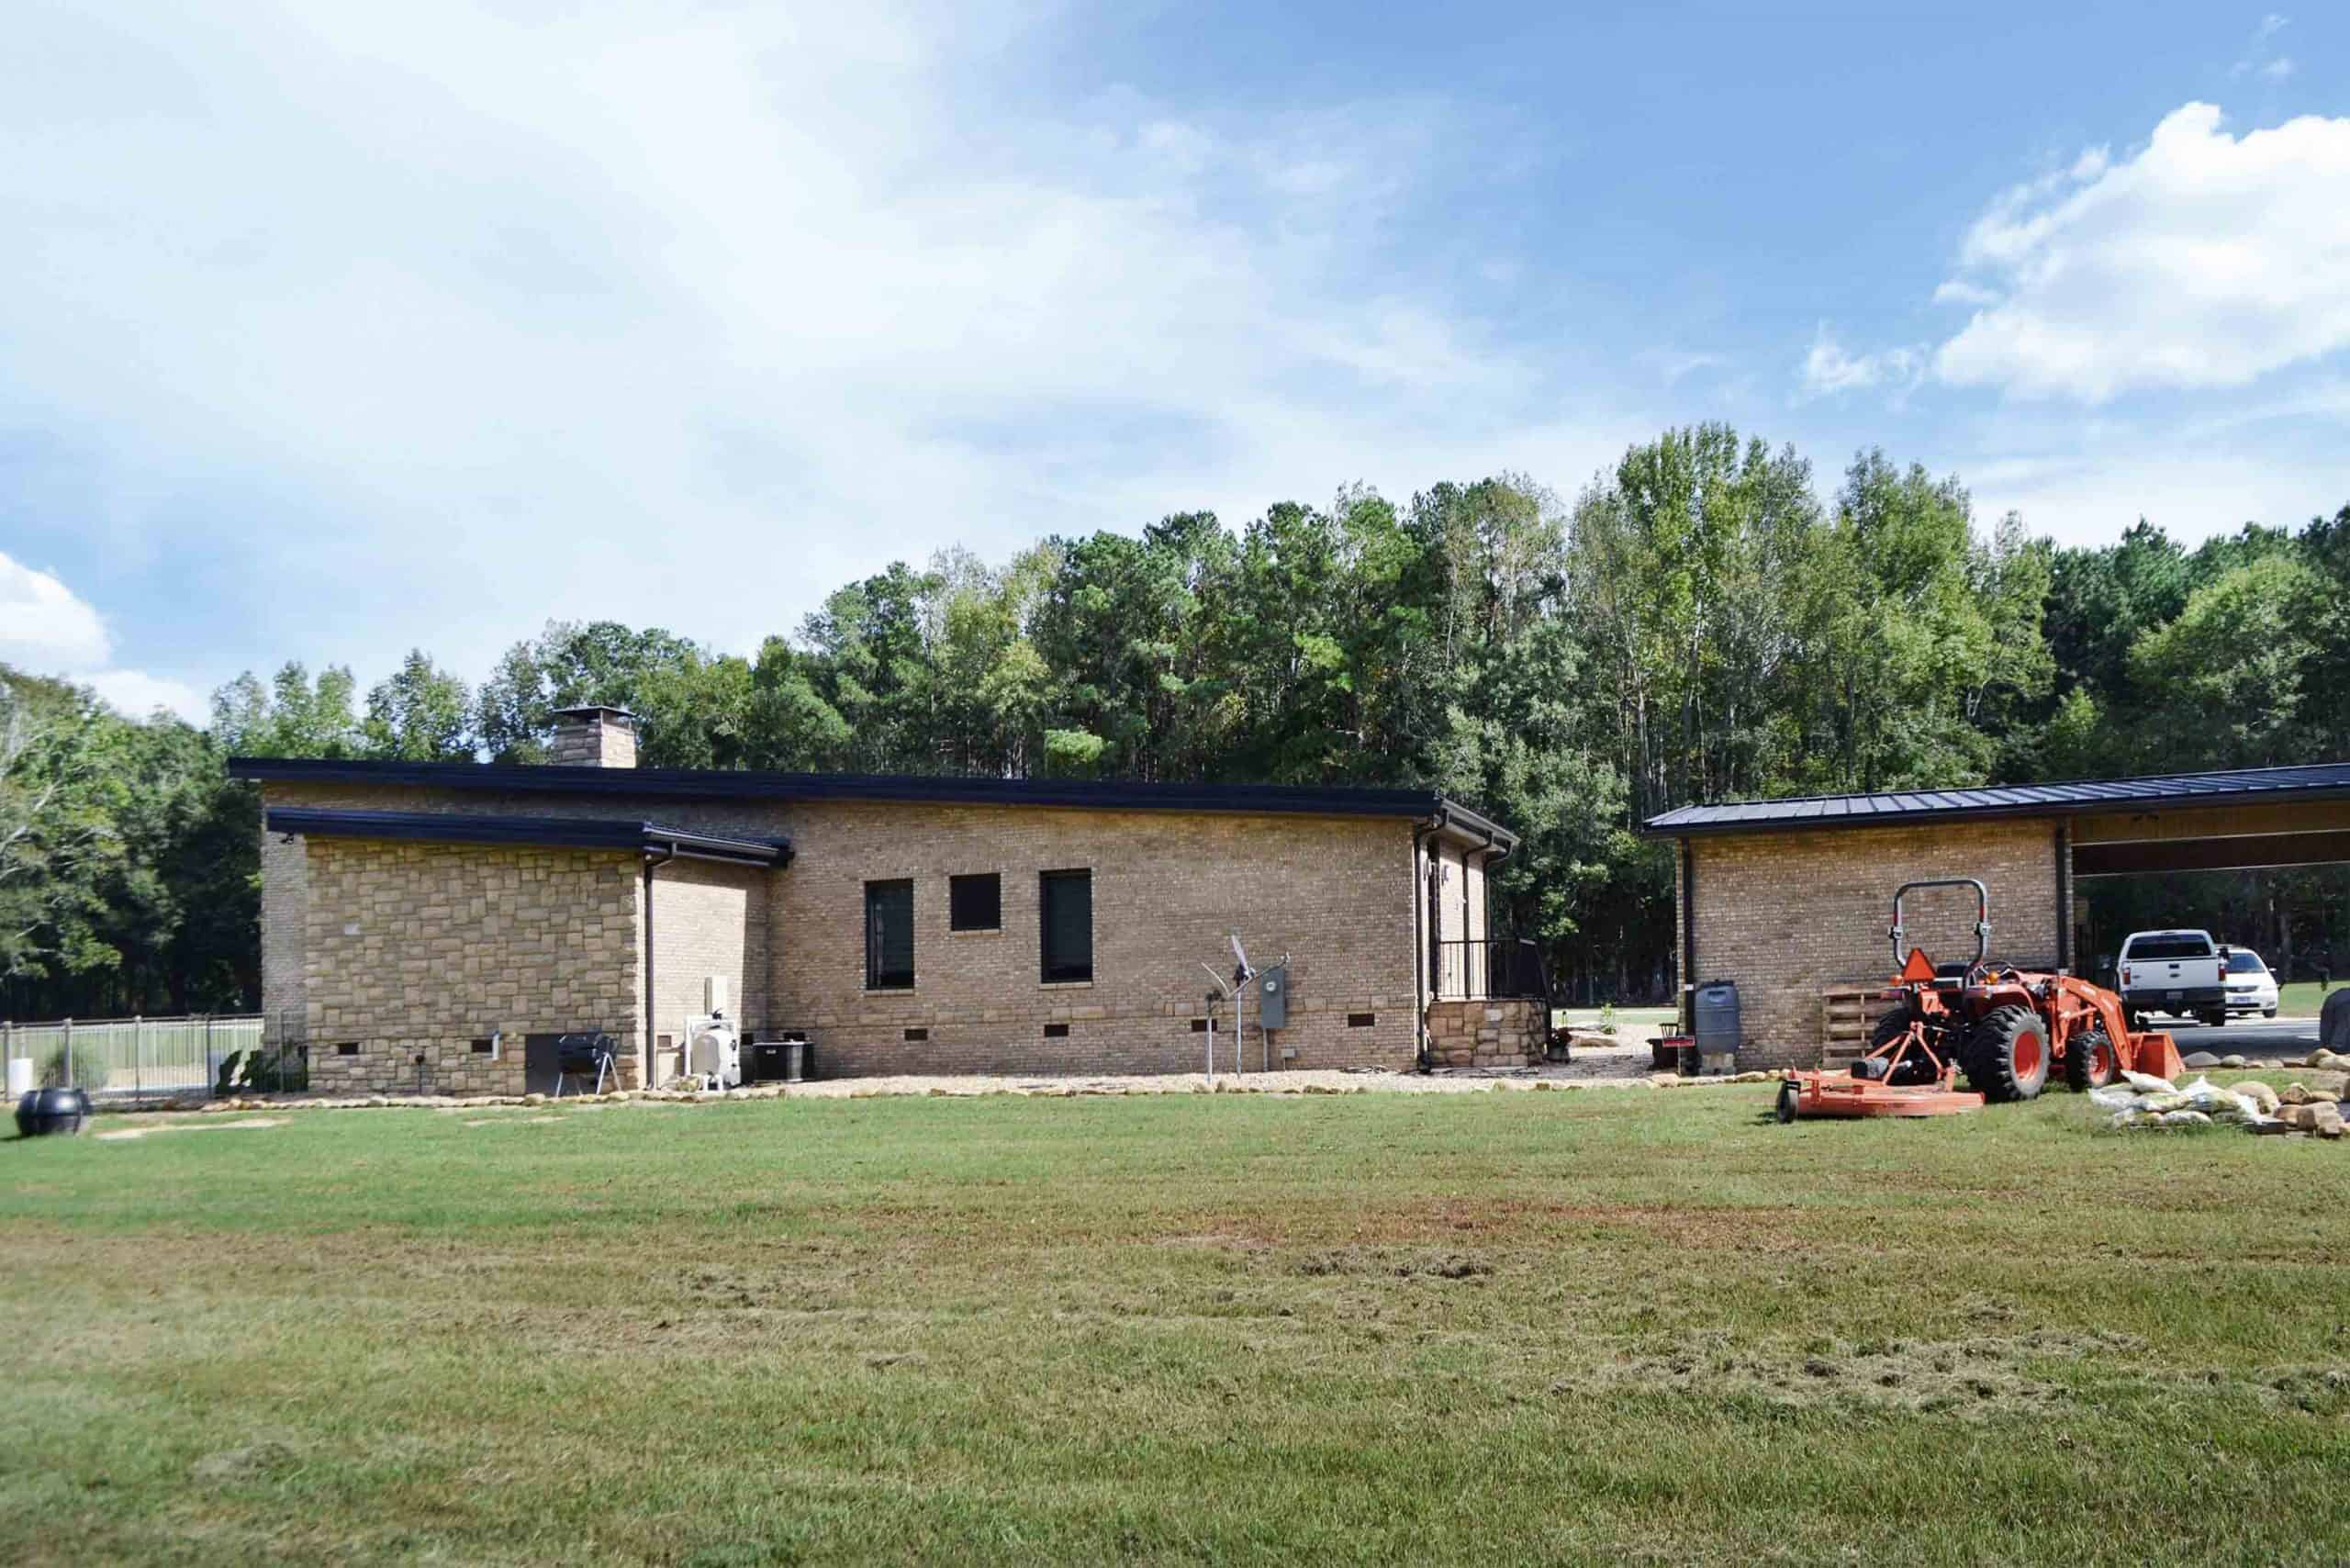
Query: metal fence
{"type": "Point", "coordinates": [1490, 968]}
{"type": "Point", "coordinates": [130, 1059]}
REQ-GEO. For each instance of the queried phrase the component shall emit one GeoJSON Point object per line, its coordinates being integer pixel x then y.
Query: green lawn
{"type": "Point", "coordinates": [2302, 999]}
{"type": "Point", "coordinates": [1599, 1325]}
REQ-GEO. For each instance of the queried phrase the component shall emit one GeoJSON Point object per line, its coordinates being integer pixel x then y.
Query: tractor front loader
{"type": "Point", "coordinates": [2006, 1029]}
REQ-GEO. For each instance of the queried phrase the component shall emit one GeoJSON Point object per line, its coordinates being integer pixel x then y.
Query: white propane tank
{"type": "Point", "coordinates": [715, 1054]}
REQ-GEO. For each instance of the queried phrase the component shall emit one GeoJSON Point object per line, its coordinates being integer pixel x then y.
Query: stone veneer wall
{"type": "Point", "coordinates": [1788, 915]}
{"type": "Point", "coordinates": [421, 949]}
{"type": "Point", "coordinates": [1513, 1032]}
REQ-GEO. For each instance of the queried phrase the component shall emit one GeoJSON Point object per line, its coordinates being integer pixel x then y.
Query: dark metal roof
{"type": "Point", "coordinates": [729, 784]}
{"type": "Point", "coordinates": [1902, 808]}
{"type": "Point", "coordinates": [571, 833]}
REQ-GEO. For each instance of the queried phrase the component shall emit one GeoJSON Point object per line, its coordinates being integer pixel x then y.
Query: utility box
{"type": "Point", "coordinates": [1272, 997]}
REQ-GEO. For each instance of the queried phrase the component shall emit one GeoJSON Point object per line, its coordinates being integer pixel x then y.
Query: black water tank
{"type": "Point", "coordinates": [1716, 1018]}
{"type": "Point", "coordinates": [45, 1111]}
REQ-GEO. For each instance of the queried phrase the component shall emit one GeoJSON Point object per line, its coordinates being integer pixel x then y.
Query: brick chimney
{"type": "Point", "coordinates": [594, 737]}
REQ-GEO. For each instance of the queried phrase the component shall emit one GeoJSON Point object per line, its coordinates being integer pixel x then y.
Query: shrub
{"type": "Point", "coordinates": [89, 1070]}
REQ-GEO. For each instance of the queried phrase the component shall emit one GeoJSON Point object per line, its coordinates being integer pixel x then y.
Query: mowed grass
{"type": "Point", "coordinates": [1617, 1325]}
{"type": "Point", "coordinates": [2302, 999]}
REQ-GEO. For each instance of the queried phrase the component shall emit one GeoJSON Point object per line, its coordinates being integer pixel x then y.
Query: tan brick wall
{"type": "Point", "coordinates": [1333, 892]}
{"type": "Point", "coordinates": [1337, 893]}
{"type": "Point", "coordinates": [419, 949]}
{"type": "Point", "coordinates": [709, 919]}
{"type": "Point", "coordinates": [285, 914]}
{"type": "Point", "coordinates": [1787, 915]}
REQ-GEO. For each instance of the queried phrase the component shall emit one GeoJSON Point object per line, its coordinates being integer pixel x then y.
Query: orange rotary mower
{"type": "Point", "coordinates": [2006, 1029]}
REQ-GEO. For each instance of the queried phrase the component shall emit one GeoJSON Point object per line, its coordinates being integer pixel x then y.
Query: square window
{"type": "Point", "coordinates": [975, 903]}
{"type": "Point", "coordinates": [889, 935]}
{"type": "Point", "coordinates": [1066, 917]}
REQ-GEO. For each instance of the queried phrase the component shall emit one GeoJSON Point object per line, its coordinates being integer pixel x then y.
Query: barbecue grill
{"type": "Point", "coordinates": [587, 1056]}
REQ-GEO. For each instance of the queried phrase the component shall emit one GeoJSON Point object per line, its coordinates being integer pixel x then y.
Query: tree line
{"type": "Point", "coordinates": [1701, 622]}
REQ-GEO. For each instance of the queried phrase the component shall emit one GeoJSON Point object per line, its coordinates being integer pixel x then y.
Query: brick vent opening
{"type": "Point", "coordinates": [1199, 1025]}
{"type": "Point", "coordinates": [1055, 1031]}
{"type": "Point", "coordinates": [1362, 1020]}
{"type": "Point", "coordinates": [347, 1049]}
{"type": "Point", "coordinates": [481, 1047]}
{"type": "Point", "coordinates": [917, 1034]}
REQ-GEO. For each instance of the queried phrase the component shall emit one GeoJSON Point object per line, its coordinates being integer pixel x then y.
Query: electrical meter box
{"type": "Point", "coordinates": [1272, 997]}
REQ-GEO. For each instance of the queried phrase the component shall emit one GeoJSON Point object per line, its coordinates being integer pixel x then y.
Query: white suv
{"type": "Point", "coordinates": [2251, 988]}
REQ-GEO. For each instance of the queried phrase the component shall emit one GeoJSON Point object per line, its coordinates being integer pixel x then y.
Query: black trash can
{"type": "Point", "coordinates": [45, 1111]}
{"type": "Point", "coordinates": [1715, 1021]}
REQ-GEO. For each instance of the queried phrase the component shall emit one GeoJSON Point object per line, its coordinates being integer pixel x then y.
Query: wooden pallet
{"type": "Point", "coordinates": [1848, 1014]}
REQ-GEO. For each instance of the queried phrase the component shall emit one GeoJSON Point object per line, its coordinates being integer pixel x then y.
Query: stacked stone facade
{"type": "Point", "coordinates": [1513, 1032]}
{"type": "Point", "coordinates": [1790, 915]}
{"type": "Point", "coordinates": [455, 942]}
{"type": "Point", "coordinates": [421, 950]}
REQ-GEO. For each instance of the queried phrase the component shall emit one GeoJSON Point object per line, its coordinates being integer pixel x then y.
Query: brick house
{"type": "Point", "coordinates": [418, 919]}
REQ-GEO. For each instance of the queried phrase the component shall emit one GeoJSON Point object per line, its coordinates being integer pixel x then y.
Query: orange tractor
{"type": "Point", "coordinates": [2006, 1029]}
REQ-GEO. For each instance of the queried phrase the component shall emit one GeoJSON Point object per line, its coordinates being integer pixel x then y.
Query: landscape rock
{"type": "Point", "coordinates": [2201, 1059]}
{"type": "Point", "coordinates": [2231, 1060]}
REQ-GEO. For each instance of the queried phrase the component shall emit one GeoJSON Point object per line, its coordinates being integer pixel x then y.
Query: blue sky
{"type": "Point", "coordinates": [326, 332]}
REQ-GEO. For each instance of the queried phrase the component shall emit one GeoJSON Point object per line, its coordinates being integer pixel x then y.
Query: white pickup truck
{"type": "Point", "coordinates": [2181, 973]}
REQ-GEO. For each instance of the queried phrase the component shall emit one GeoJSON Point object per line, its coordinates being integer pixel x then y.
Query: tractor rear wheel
{"type": "Point", "coordinates": [2089, 1062]}
{"type": "Point", "coordinates": [2007, 1053]}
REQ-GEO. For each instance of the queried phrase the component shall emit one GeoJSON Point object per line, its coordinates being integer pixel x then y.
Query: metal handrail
{"type": "Point", "coordinates": [1489, 969]}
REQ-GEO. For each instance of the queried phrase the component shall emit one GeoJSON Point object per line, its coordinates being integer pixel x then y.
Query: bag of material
{"type": "Point", "coordinates": [2186, 1119]}
{"type": "Point", "coordinates": [2147, 1084]}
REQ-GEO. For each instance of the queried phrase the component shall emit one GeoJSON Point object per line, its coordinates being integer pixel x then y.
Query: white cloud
{"type": "Point", "coordinates": [43, 625]}
{"type": "Point", "coordinates": [1829, 367]}
{"type": "Point", "coordinates": [2257, 57]}
{"type": "Point", "coordinates": [2206, 260]}
{"type": "Point", "coordinates": [47, 628]}
{"type": "Point", "coordinates": [687, 316]}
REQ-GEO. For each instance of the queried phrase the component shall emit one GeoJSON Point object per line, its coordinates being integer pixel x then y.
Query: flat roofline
{"type": "Point", "coordinates": [571, 833]}
{"type": "Point", "coordinates": [2069, 797]}
{"type": "Point", "coordinates": [727, 784]}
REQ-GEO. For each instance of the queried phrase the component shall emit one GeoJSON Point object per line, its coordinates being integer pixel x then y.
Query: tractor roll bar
{"type": "Point", "coordinates": [1981, 913]}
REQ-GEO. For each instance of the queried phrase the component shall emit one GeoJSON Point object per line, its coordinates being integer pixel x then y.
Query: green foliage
{"type": "Point", "coordinates": [67, 1069]}
{"type": "Point", "coordinates": [1700, 624]}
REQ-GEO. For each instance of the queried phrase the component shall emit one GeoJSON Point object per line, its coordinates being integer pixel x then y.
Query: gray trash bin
{"type": "Point", "coordinates": [1716, 1025]}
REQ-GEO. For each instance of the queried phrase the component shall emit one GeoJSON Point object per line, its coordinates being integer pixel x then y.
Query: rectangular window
{"type": "Point", "coordinates": [975, 903]}
{"type": "Point", "coordinates": [1066, 909]}
{"type": "Point", "coordinates": [347, 1049]}
{"type": "Point", "coordinates": [1362, 1020]}
{"type": "Point", "coordinates": [917, 1035]}
{"type": "Point", "coordinates": [1199, 1025]}
{"type": "Point", "coordinates": [482, 1048]}
{"type": "Point", "coordinates": [1056, 1031]}
{"type": "Point", "coordinates": [889, 935]}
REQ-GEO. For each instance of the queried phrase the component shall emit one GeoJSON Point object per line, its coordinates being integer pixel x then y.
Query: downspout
{"type": "Point", "coordinates": [650, 864]}
{"type": "Point", "coordinates": [1419, 942]}
{"type": "Point", "coordinates": [1688, 936]}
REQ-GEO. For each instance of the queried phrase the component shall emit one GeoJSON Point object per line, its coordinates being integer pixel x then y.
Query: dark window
{"type": "Point", "coordinates": [1361, 1020]}
{"type": "Point", "coordinates": [347, 1049]}
{"type": "Point", "coordinates": [482, 1048]}
{"type": "Point", "coordinates": [889, 935]}
{"type": "Point", "coordinates": [975, 903]}
{"type": "Point", "coordinates": [1199, 1025]}
{"type": "Point", "coordinates": [2179, 945]}
{"type": "Point", "coordinates": [1067, 905]}
{"type": "Point", "coordinates": [2243, 963]}
{"type": "Point", "coordinates": [1055, 1031]}
{"type": "Point", "coordinates": [917, 1034]}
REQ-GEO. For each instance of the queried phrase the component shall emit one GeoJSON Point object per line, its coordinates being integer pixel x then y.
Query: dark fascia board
{"type": "Point", "coordinates": [723, 784]}
{"type": "Point", "coordinates": [1665, 827]}
{"type": "Point", "coordinates": [568, 833]}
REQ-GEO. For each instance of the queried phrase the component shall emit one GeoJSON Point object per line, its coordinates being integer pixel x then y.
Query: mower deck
{"type": "Point", "coordinates": [1841, 1094]}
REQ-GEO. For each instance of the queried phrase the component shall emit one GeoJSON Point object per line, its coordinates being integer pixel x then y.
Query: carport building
{"type": "Point", "coordinates": [1789, 898]}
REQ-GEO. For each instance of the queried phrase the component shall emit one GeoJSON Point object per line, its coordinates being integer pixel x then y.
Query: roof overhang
{"type": "Point", "coordinates": [566, 832]}
{"type": "Point", "coordinates": [724, 784]}
{"type": "Point", "coordinates": [2278, 787]}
